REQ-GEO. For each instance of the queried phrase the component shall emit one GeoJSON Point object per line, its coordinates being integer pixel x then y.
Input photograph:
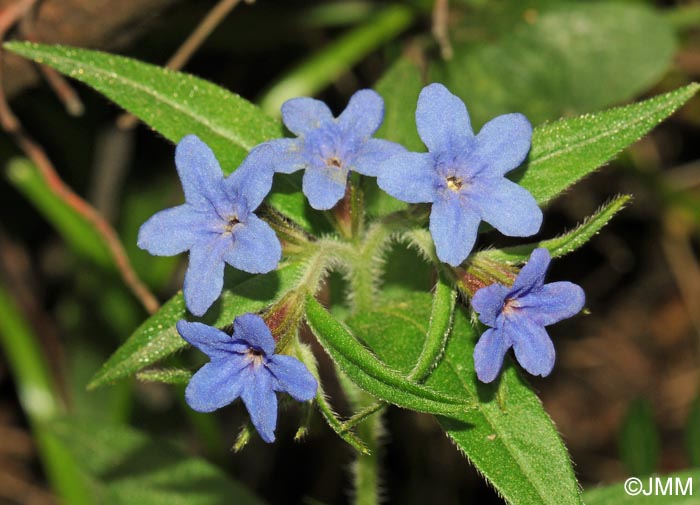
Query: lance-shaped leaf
{"type": "Point", "coordinates": [564, 244]}
{"type": "Point", "coordinates": [174, 104]}
{"type": "Point", "coordinates": [165, 375]}
{"type": "Point", "coordinates": [370, 374]}
{"type": "Point", "coordinates": [508, 436]}
{"type": "Point", "coordinates": [565, 151]}
{"type": "Point", "coordinates": [158, 338]}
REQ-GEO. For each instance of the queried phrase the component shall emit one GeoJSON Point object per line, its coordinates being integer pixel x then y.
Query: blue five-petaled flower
{"type": "Point", "coordinates": [244, 365]}
{"type": "Point", "coordinates": [462, 175]}
{"type": "Point", "coordinates": [216, 223]}
{"type": "Point", "coordinates": [518, 315]}
{"type": "Point", "coordinates": [328, 148]}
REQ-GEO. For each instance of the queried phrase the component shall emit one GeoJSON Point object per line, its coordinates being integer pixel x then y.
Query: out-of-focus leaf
{"type": "Point", "coordinates": [337, 57]}
{"type": "Point", "coordinates": [75, 229]}
{"type": "Point", "coordinates": [564, 244]}
{"type": "Point", "coordinates": [157, 337]}
{"type": "Point", "coordinates": [565, 151]}
{"type": "Point", "coordinates": [617, 495]}
{"type": "Point", "coordinates": [569, 59]}
{"type": "Point", "coordinates": [128, 467]}
{"type": "Point", "coordinates": [639, 439]}
{"type": "Point", "coordinates": [692, 433]}
{"type": "Point", "coordinates": [508, 437]}
{"type": "Point", "coordinates": [369, 373]}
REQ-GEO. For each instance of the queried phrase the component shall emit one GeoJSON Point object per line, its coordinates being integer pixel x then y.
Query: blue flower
{"type": "Point", "coordinates": [462, 175]}
{"type": "Point", "coordinates": [327, 148]}
{"type": "Point", "coordinates": [216, 223]}
{"type": "Point", "coordinates": [517, 316]}
{"type": "Point", "coordinates": [244, 365]}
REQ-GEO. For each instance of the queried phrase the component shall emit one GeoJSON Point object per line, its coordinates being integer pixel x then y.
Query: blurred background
{"type": "Point", "coordinates": [624, 392]}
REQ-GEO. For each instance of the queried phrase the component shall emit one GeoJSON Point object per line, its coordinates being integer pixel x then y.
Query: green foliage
{"type": "Point", "coordinates": [158, 338]}
{"type": "Point", "coordinates": [562, 60]}
{"type": "Point", "coordinates": [692, 433]}
{"type": "Point", "coordinates": [565, 151]}
{"type": "Point", "coordinates": [508, 436]}
{"type": "Point", "coordinates": [165, 375]}
{"type": "Point", "coordinates": [639, 439]}
{"type": "Point", "coordinates": [369, 373]}
{"type": "Point", "coordinates": [564, 244]}
{"type": "Point", "coordinates": [129, 467]}
{"type": "Point", "coordinates": [174, 104]}
{"type": "Point", "coordinates": [75, 229]}
{"type": "Point", "coordinates": [616, 494]}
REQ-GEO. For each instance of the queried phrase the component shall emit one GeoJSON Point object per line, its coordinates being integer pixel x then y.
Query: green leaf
{"type": "Point", "coordinates": [73, 227]}
{"type": "Point", "coordinates": [508, 436]}
{"type": "Point", "coordinates": [369, 373]}
{"type": "Point", "coordinates": [165, 375]}
{"type": "Point", "coordinates": [157, 337]}
{"type": "Point", "coordinates": [639, 439]}
{"type": "Point", "coordinates": [616, 494]}
{"type": "Point", "coordinates": [128, 467]}
{"type": "Point", "coordinates": [565, 151]}
{"type": "Point", "coordinates": [692, 433]}
{"type": "Point", "coordinates": [564, 244]}
{"type": "Point", "coordinates": [174, 104]}
{"type": "Point", "coordinates": [570, 59]}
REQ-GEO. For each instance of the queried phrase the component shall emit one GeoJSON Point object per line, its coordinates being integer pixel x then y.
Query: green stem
{"type": "Point", "coordinates": [337, 57]}
{"type": "Point", "coordinates": [39, 401]}
{"type": "Point", "coordinates": [367, 466]}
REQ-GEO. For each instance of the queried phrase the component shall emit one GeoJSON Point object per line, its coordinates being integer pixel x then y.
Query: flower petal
{"type": "Point", "coordinates": [302, 115]}
{"type": "Point", "coordinates": [488, 302]}
{"type": "Point", "coordinates": [453, 228]}
{"type": "Point", "coordinates": [255, 248]}
{"type": "Point", "coordinates": [442, 119]}
{"type": "Point", "coordinates": [285, 155]}
{"type": "Point", "coordinates": [553, 302]}
{"type": "Point", "coordinates": [293, 377]}
{"type": "Point", "coordinates": [261, 402]}
{"type": "Point", "coordinates": [216, 384]}
{"type": "Point", "coordinates": [509, 208]}
{"type": "Point", "coordinates": [503, 143]}
{"type": "Point", "coordinates": [199, 172]}
{"type": "Point", "coordinates": [204, 278]}
{"type": "Point", "coordinates": [532, 274]}
{"type": "Point", "coordinates": [323, 187]}
{"type": "Point", "coordinates": [211, 341]}
{"type": "Point", "coordinates": [252, 329]}
{"type": "Point", "coordinates": [409, 177]}
{"type": "Point", "coordinates": [172, 231]}
{"type": "Point", "coordinates": [364, 114]}
{"type": "Point", "coordinates": [252, 181]}
{"type": "Point", "coordinates": [533, 348]}
{"type": "Point", "coordinates": [489, 353]}
{"type": "Point", "coordinates": [374, 152]}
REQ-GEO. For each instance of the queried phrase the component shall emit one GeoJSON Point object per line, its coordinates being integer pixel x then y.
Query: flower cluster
{"type": "Point", "coordinates": [462, 177]}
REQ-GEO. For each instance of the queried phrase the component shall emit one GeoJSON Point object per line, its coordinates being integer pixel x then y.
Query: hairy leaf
{"type": "Point", "coordinates": [508, 436]}
{"type": "Point", "coordinates": [157, 337]}
{"type": "Point", "coordinates": [369, 373]}
{"type": "Point", "coordinates": [565, 151]}
{"type": "Point", "coordinates": [564, 244]}
{"type": "Point", "coordinates": [174, 104]}
{"type": "Point", "coordinates": [165, 375]}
